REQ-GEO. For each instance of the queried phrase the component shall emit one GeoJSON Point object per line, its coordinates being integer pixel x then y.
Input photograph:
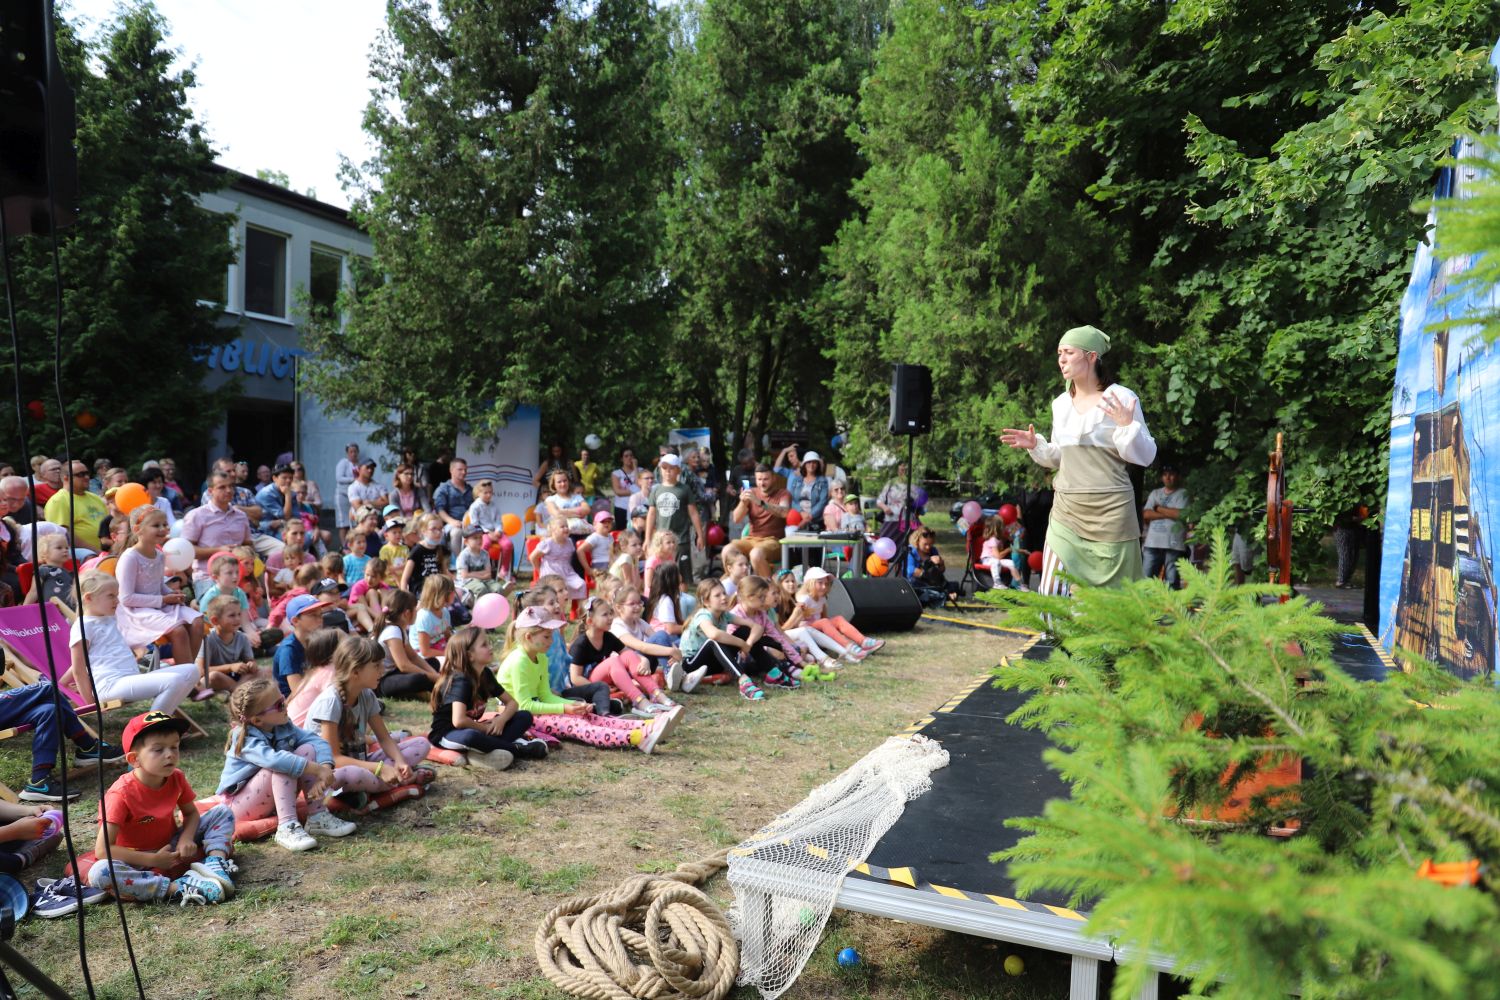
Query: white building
{"type": "Point", "coordinates": [292, 250]}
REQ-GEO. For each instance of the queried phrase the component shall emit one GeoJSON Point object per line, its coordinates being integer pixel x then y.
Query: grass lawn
{"type": "Point", "coordinates": [441, 897]}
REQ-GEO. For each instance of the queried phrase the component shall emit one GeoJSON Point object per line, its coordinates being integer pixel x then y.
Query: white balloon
{"type": "Point", "coordinates": [592, 442]}
{"type": "Point", "coordinates": [178, 554]}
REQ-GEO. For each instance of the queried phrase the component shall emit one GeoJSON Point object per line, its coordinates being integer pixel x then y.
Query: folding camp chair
{"type": "Point", "coordinates": [25, 635]}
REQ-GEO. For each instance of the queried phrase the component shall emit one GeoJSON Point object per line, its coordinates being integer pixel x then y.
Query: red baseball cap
{"type": "Point", "coordinates": [151, 722]}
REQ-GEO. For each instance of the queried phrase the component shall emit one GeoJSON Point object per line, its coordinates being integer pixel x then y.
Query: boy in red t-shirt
{"type": "Point", "coordinates": [156, 858]}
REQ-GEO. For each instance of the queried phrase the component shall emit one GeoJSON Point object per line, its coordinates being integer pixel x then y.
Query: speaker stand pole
{"type": "Point", "coordinates": [899, 559]}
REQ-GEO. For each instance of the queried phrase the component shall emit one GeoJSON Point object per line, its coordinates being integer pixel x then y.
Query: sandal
{"type": "Point", "coordinates": [749, 691]}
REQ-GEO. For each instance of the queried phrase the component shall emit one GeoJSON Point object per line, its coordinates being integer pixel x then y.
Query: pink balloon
{"type": "Point", "coordinates": [973, 512]}
{"type": "Point", "coordinates": [885, 548]}
{"type": "Point", "coordinates": [491, 611]}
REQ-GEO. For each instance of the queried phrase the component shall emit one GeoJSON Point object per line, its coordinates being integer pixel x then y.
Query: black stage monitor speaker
{"type": "Point", "coordinates": [875, 604]}
{"type": "Point", "coordinates": [911, 399]}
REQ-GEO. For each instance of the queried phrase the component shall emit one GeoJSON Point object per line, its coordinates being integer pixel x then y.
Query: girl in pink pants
{"type": "Point", "coordinates": [598, 655]}
{"type": "Point", "coordinates": [814, 600]}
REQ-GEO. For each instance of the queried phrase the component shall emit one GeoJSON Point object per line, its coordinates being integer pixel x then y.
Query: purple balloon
{"type": "Point", "coordinates": [973, 512]}
{"type": "Point", "coordinates": [885, 548]}
{"type": "Point", "coordinates": [919, 497]}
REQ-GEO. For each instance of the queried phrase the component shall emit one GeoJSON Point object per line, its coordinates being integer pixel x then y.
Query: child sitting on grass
{"type": "Point", "coordinates": [304, 578]}
{"type": "Point", "coordinates": [268, 760]}
{"type": "Point", "coordinates": [407, 674]}
{"type": "Point", "coordinates": [789, 615]}
{"type": "Point", "coordinates": [395, 551]}
{"type": "Point", "coordinates": [524, 674]}
{"type": "Point", "coordinates": [664, 600]}
{"type": "Point", "coordinates": [756, 598]}
{"type": "Point", "coordinates": [736, 568]}
{"type": "Point", "coordinates": [627, 560]}
{"type": "Point", "coordinates": [368, 592]}
{"type": "Point", "coordinates": [475, 571]}
{"type": "Point", "coordinates": [813, 597]}
{"type": "Point", "coordinates": [305, 613]}
{"type": "Point", "coordinates": [458, 703]}
{"type": "Point", "coordinates": [348, 712]}
{"type": "Point", "coordinates": [595, 549]}
{"type": "Point", "coordinates": [225, 659]}
{"type": "Point", "coordinates": [631, 629]}
{"type": "Point", "coordinates": [428, 558]}
{"type": "Point", "coordinates": [707, 641]}
{"type": "Point", "coordinates": [320, 646]}
{"type": "Point", "coordinates": [433, 622]}
{"type": "Point", "coordinates": [553, 556]}
{"type": "Point", "coordinates": [356, 558]}
{"type": "Point", "coordinates": [153, 858]}
{"type": "Point", "coordinates": [598, 656]}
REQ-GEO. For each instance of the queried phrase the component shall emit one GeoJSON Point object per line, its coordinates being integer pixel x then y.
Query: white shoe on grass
{"type": "Point", "coordinates": [294, 837]}
{"type": "Point", "coordinates": [326, 824]}
{"type": "Point", "coordinates": [692, 680]}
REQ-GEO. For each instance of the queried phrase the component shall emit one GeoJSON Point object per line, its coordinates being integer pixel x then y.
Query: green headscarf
{"type": "Point", "coordinates": [1086, 338]}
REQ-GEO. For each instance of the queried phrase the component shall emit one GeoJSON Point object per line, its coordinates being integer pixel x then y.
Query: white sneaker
{"type": "Point", "coordinates": [294, 838]}
{"type": "Point", "coordinates": [653, 733]}
{"type": "Point", "coordinates": [692, 680]}
{"type": "Point", "coordinates": [497, 759]}
{"type": "Point", "coordinates": [326, 824]}
{"type": "Point", "coordinates": [671, 716]}
{"type": "Point", "coordinates": [674, 675]}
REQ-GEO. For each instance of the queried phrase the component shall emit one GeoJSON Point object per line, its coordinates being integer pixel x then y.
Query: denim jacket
{"type": "Point", "coordinates": [269, 751]}
{"type": "Point", "coordinates": [816, 494]}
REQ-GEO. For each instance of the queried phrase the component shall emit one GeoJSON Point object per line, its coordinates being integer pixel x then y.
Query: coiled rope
{"type": "Point", "coordinates": [652, 937]}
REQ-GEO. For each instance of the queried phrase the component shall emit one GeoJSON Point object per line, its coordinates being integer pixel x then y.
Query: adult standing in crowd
{"type": "Point", "coordinates": [78, 510]}
{"type": "Point", "coordinates": [1166, 534]}
{"type": "Point", "coordinates": [766, 506]}
{"type": "Point", "coordinates": [805, 481]}
{"type": "Point", "coordinates": [670, 508]}
{"type": "Point", "coordinates": [586, 472]}
{"type": "Point", "coordinates": [1098, 430]}
{"type": "Point", "coordinates": [365, 491]}
{"type": "Point", "coordinates": [550, 464]}
{"type": "Point", "coordinates": [215, 526]}
{"type": "Point", "coordinates": [344, 475]}
{"type": "Point", "coordinates": [305, 489]}
{"type": "Point", "coordinates": [13, 496]}
{"type": "Point", "coordinates": [175, 493]}
{"type": "Point", "coordinates": [625, 486]}
{"type": "Point", "coordinates": [742, 476]}
{"type": "Point", "coordinates": [452, 501]}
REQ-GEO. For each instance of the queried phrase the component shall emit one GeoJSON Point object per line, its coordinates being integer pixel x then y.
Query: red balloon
{"type": "Point", "coordinates": [794, 517]}
{"type": "Point", "coordinates": [1008, 513]}
{"type": "Point", "coordinates": [716, 534]}
{"type": "Point", "coordinates": [1035, 562]}
{"type": "Point", "coordinates": [36, 410]}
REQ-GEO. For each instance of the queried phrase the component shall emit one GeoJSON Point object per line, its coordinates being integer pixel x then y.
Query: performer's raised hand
{"type": "Point", "coordinates": [1120, 413]}
{"type": "Point", "coordinates": [1018, 438]}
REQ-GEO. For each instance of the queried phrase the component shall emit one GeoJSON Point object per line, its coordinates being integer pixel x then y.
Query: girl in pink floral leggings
{"type": "Point", "coordinates": [524, 674]}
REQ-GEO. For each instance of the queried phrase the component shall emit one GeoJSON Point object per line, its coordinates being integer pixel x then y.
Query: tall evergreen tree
{"type": "Point", "coordinates": [511, 205]}
{"type": "Point", "coordinates": [763, 95]}
{"type": "Point", "coordinates": [143, 270]}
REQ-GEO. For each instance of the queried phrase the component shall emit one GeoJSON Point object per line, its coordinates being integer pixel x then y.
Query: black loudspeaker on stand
{"type": "Point", "coordinates": [876, 604]}
{"type": "Point", "coordinates": [911, 399]}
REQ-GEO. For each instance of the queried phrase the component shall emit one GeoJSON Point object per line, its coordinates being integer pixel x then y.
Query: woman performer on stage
{"type": "Point", "coordinates": [1093, 533]}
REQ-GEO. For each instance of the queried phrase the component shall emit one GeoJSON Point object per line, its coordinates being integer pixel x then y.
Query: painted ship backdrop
{"type": "Point", "coordinates": [1437, 585]}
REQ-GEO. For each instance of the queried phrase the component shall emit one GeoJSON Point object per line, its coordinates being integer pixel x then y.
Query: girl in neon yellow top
{"type": "Point", "coordinates": [523, 673]}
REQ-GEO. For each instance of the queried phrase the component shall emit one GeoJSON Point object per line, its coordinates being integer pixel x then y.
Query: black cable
{"type": "Point", "coordinates": [15, 352]}
{"type": "Point", "coordinates": [62, 418]}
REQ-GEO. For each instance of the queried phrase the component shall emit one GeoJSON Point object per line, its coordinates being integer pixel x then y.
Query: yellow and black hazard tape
{"type": "Point", "coordinates": [1007, 629]}
{"type": "Point", "coordinates": [909, 878]}
{"type": "Point", "coordinates": [1375, 644]}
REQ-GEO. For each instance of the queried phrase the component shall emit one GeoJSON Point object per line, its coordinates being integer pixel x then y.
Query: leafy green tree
{"type": "Point", "coordinates": [144, 268]}
{"type": "Point", "coordinates": [511, 206]}
{"type": "Point", "coordinates": [763, 94]}
{"type": "Point", "coordinates": [1173, 714]}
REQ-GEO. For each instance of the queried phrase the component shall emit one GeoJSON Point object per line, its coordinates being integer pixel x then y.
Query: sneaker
{"type": "Point", "coordinates": [749, 691]}
{"type": "Point", "coordinates": [855, 652]}
{"type": "Point", "coordinates": [326, 824]}
{"type": "Point", "coordinates": [195, 890]}
{"type": "Point", "coordinates": [100, 753]}
{"type": "Point", "coordinates": [775, 678]}
{"type": "Point", "coordinates": [293, 837]}
{"type": "Point", "coordinates": [499, 760]}
{"type": "Point", "coordinates": [873, 644]}
{"type": "Point", "coordinates": [671, 717]}
{"type": "Point", "coordinates": [527, 749]}
{"type": "Point", "coordinates": [353, 801]}
{"type": "Point", "coordinates": [691, 681]}
{"type": "Point", "coordinates": [220, 870]}
{"type": "Point", "coordinates": [652, 734]}
{"type": "Point", "coordinates": [675, 675]}
{"type": "Point", "coordinates": [423, 775]}
{"type": "Point", "coordinates": [617, 707]}
{"type": "Point", "coordinates": [49, 789]}
{"type": "Point", "coordinates": [59, 897]}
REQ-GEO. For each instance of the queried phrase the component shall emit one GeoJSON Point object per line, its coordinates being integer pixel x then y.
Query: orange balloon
{"type": "Point", "coordinates": [510, 524]}
{"type": "Point", "coordinates": [876, 566]}
{"type": "Point", "coordinates": [130, 496]}
{"type": "Point", "coordinates": [530, 514]}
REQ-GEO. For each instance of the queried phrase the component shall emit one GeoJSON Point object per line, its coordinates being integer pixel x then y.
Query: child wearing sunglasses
{"type": "Point", "coordinates": [268, 760]}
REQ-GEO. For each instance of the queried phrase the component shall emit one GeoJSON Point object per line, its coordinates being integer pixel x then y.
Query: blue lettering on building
{"type": "Point", "coordinates": [253, 358]}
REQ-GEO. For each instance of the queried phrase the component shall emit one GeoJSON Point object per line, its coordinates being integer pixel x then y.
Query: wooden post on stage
{"type": "Point", "coordinates": [1279, 523]}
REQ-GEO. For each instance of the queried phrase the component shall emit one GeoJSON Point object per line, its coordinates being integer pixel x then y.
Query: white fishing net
{"type": "Point", "coordinates": [786, 877]}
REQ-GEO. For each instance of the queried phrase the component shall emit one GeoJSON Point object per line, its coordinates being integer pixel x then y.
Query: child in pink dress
{"type": "Point", "coordinates": [553, 555]}
{"type": "Point", "coordinates": [148, 609]}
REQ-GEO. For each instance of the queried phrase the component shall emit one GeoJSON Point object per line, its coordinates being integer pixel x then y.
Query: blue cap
{"type": "Point", "coordinates": [390, 509]}
{"type": "Point", "coordinates": [303, 603]}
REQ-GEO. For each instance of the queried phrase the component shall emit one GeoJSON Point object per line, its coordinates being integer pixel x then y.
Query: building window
{"type": "Point", "coordinates": [265, 273]}
{"type": "Point", "coordinates": [326, 275]}
{"type": "Point", "coordinates": [219, 289]}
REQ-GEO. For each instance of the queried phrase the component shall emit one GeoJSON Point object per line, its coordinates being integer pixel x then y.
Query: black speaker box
{"type": "Point", "coordinates": [911, 399]}
{"type": "Point", "coordinates": [875, 604]}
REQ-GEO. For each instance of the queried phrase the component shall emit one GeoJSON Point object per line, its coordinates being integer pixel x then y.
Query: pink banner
{"type": "Point", "coordinates": [21, 629]}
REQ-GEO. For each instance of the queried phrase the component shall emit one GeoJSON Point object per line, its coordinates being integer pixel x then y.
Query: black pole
{"type": "Point", "coordinates": [906, 510]}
